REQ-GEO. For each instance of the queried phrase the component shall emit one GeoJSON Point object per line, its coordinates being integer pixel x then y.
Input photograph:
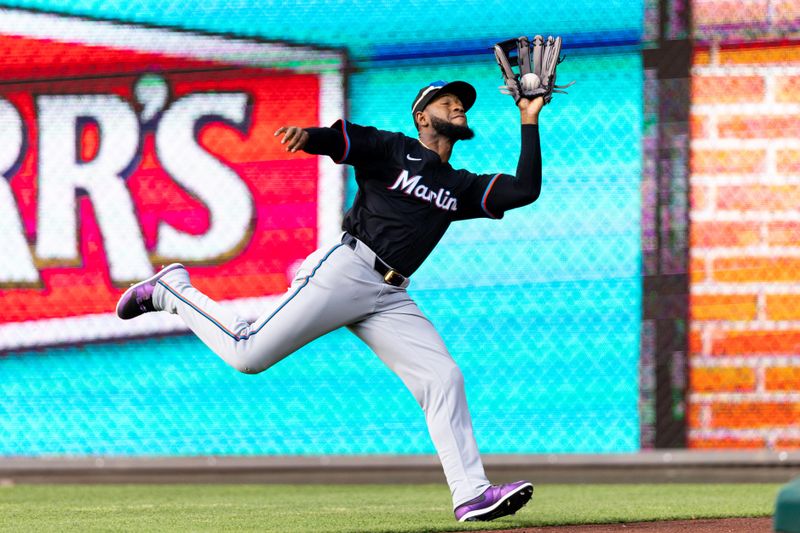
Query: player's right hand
{"type": "Point", "coordinates": [529, 109]}
{"type": "Point", "coordinates": [294, 138]}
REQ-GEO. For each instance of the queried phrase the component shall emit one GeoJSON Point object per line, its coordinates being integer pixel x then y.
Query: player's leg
{"type": "Point", "coordinates": [410, 346]}
{"type": "Point", "coordinates": [320, 300]}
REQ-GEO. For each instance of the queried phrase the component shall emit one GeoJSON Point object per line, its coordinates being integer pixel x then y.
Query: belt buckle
{"type": "Point", "coordinates": [390, 277]}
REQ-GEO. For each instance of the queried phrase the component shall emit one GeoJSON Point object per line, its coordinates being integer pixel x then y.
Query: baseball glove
{"type": "Point", "coordinates": [536, 63]}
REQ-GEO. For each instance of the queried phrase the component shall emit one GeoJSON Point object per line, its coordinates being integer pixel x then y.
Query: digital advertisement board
{"type": "Point", "coordinates": [163, 117]}
{"type": "Point", "coordinates": [128, 147]}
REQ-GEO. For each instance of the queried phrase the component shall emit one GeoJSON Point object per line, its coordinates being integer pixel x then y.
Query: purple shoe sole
{"type": "Point", "coordinates": [127, 307]}
{"type": "Point", "coordinates": [507, 505]}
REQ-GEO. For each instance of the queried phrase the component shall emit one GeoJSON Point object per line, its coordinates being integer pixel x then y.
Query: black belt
{"type": "Point", "coordinates": [390, 276]}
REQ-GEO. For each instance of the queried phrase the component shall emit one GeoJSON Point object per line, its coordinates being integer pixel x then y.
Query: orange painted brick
{"type": "Point", "coordinates": [787, 89]}
{"type": "Point", "coordinates": [722, 306]}
{"type": "Point", "coordinates": [758, 342]}
{"type": "Point", "coordinates": [708, 234]}
{"type": "Point", "coordinates": [783, 306]}
{"type": "Point", "coordinates": [740, 269]}
{"type": "Point", "coordinates": [712, 161]}
{"type": "Point", "coordinates": [725, 444]}
{"type": "Point", "coordinates": [693, 415]}
{"type": "Point", "coordinates": [699, 127]}
{"type": "Point", "coordinates": [759, 127]}
{"type": "Point", "coordinates": [695, 343]}
{"type": "Point", "coordinates": [787, 444]}
{"type": "Point", "coordinates": [783, 233]}
{"type": "Point", "coordinates": [700, 58]}
{"type": "Point", "coordinates": [754, 415]}
{"type": "Point", "coordinates": [759, 197]}
{"type": "Point", "coordinates": [727, 89]}
{"type": "Point", "coordinates": [789, 161]}
{"type": "Point", "coordinates": [722, 379]}
{"type": "Point", "coordinates": [699, 197]}
{"type": "Point", "coordinates": [714, 12]}
{"type": "Point", "coordinates": [782, 378]}
{"type": "Point", "coordinates": [697, 269]}
{"type": "Point", "coordinates": [776, 54]}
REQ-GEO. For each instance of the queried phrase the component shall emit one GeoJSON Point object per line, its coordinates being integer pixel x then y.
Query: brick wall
{"type": "Point", "coordinates": [745, 255]}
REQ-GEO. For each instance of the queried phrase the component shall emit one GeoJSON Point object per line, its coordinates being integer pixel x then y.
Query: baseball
{"type": "Point", "coordinates": [530, 81]}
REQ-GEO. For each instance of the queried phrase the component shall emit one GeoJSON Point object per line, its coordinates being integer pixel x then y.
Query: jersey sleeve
{"type": "Point", "coordinates": [472, 201]}
{"type": "Point", "coordinates": [364, 145]}
{"type": "Point", "coordinates": [491, 196]}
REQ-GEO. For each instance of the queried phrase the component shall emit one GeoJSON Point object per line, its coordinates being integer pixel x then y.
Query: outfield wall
{"type": "Point", "coordinates": [542, 310]}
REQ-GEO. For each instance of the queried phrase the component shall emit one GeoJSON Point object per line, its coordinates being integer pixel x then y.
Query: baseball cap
{"type": "Point", "coordinates": [465, 92]}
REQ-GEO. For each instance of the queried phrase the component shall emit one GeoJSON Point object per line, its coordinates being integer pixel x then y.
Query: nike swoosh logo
{"type": "Point", "coordinates": [413, 158]}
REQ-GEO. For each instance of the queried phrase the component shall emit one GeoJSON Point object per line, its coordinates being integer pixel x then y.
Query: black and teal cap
{"type": "Point", "coordinates": [465, 92]}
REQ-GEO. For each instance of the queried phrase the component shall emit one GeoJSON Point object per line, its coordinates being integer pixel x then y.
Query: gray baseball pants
{"type": "Point", "coordinates": [337, 286]}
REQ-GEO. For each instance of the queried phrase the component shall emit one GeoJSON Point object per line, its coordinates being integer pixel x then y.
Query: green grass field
{"type": "Point", "coordinates": [345, 508]}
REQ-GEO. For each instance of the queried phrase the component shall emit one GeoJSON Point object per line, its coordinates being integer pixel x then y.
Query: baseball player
{"type": "Point", "coordinates": [408, 195]}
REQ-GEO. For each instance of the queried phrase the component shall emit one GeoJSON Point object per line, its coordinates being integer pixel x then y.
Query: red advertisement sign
{"type": "Point", "coordinates": [119, 159]}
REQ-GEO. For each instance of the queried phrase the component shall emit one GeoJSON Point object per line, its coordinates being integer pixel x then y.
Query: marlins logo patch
{"type": "Point", "coordinates": [411, 186]}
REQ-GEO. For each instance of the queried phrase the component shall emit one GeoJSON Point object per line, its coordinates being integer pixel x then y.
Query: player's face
{"type": "Point", "coordinates": [448, 118]}
{"type": "Point", "coordinates": [448, 108]}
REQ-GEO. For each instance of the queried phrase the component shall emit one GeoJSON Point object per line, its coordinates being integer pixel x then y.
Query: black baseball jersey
{"type": "Point", "coordinates": [407, 197]}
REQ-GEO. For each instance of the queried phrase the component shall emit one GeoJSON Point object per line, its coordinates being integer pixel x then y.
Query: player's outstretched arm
{"type": "Point", "coordinates": [510, 192]}
{"type": "Point", "coordinates": [318, 141]}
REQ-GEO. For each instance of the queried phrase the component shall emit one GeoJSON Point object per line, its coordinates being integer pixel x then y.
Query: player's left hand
{"type": "Point", "coordinates": [529, 109]}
